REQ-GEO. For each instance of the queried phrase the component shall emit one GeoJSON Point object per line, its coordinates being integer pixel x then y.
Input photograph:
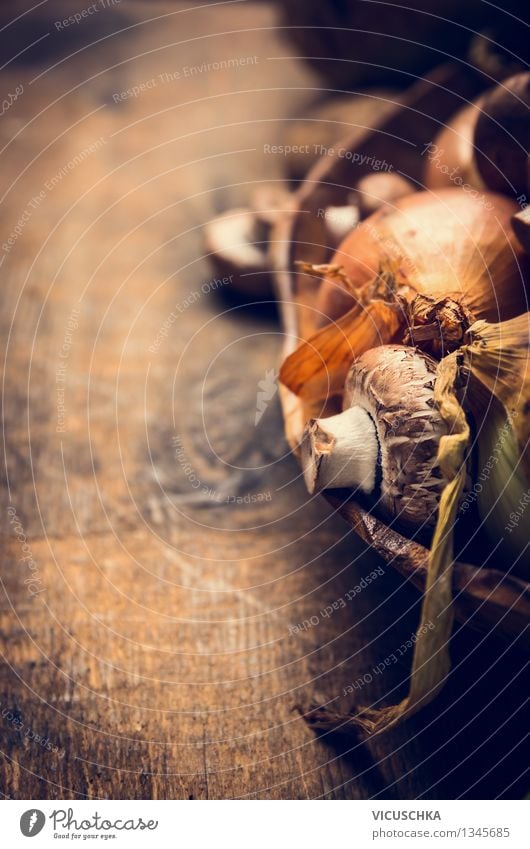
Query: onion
{"type": "Point", "coordinates": [448, 248]}
{"type": "Point", "coordinates": [383, 188]}
{"type": "Point", "coordinates": [448, 245]}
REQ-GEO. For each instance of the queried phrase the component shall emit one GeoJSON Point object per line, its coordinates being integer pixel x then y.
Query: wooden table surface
{"type": "Point", "coordinates": [158, 546]}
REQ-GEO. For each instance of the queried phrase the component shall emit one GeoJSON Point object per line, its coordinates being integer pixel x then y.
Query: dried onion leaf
{"type": "Point", "coordinates": [431, 663]}
{"type": "Point", "coordinates": [498, 355]}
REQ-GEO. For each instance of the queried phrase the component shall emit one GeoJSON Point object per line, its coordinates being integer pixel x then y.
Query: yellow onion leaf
{"type": "Point", "coordinates": [499, 357]}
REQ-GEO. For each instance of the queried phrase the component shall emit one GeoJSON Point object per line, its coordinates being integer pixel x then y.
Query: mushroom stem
{"type": "Point", "coordinates": [340, 451]}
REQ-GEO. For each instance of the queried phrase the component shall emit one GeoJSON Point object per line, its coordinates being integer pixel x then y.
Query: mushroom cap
{"type": "Point", "coordinates": [502, 136]}
{"type": "Point", "coordinates": [236, 245]}
{"type": "Point", "coordinates": [381, 189]}
{"type": "Point", "coordinates": [395, 385]}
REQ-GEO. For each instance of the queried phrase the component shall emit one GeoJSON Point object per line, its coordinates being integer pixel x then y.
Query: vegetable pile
{"type": "Point", "coordinates": [418, 366]}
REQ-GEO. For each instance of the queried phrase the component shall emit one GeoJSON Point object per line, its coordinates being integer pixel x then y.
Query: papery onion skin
{"type": "Point", "coordinates": [445, 245]}
{"type": "Point", "coordinates": [503, 492]}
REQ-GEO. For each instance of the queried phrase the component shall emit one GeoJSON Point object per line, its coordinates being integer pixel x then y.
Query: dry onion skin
{"type": "Point", "coordinates": [498, 356]}
{"type": "Point", "coordinates": [502, 490]}
{"type": "Point", "coordinates": [447, 246]}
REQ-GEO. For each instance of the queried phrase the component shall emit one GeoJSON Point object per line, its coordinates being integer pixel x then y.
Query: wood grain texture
{"type": "Point", "coordinates": [155, 649]}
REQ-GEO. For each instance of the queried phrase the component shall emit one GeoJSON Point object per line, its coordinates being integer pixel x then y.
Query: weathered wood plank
{"type": "Point", "coordinates": [155, 648]}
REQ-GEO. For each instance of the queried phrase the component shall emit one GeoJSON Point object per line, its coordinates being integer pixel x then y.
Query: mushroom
{"type": "Point", "coordinates": [373, 192]}
{"type": "Point", "coordinates": [502, 136]}
{"type": "Point", "coordinates": [385, 442]}
{"type": "Point", "coordinates": [270, 201]}
{"type": "Point", "coordinates": [237, 241]}
{"type": "Point", "coordinates": [339, 221]}
{"type": "Point", "coordinates": [236, 245]}
{"type": "Point", "coordinates": [521, 228]}
{"type": "Point", "coordinates": [382, 188]}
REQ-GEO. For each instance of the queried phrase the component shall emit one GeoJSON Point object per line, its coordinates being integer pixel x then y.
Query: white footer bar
{"type": "Point", "coordinates": [267, 824]}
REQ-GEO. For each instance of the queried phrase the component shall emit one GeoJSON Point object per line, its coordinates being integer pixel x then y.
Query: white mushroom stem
{"type": "Point", "coordinates": [340, 452]}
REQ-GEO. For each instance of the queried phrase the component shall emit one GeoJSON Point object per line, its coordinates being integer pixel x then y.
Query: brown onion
{"type": "Point", "coordinates": [447, 245]}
